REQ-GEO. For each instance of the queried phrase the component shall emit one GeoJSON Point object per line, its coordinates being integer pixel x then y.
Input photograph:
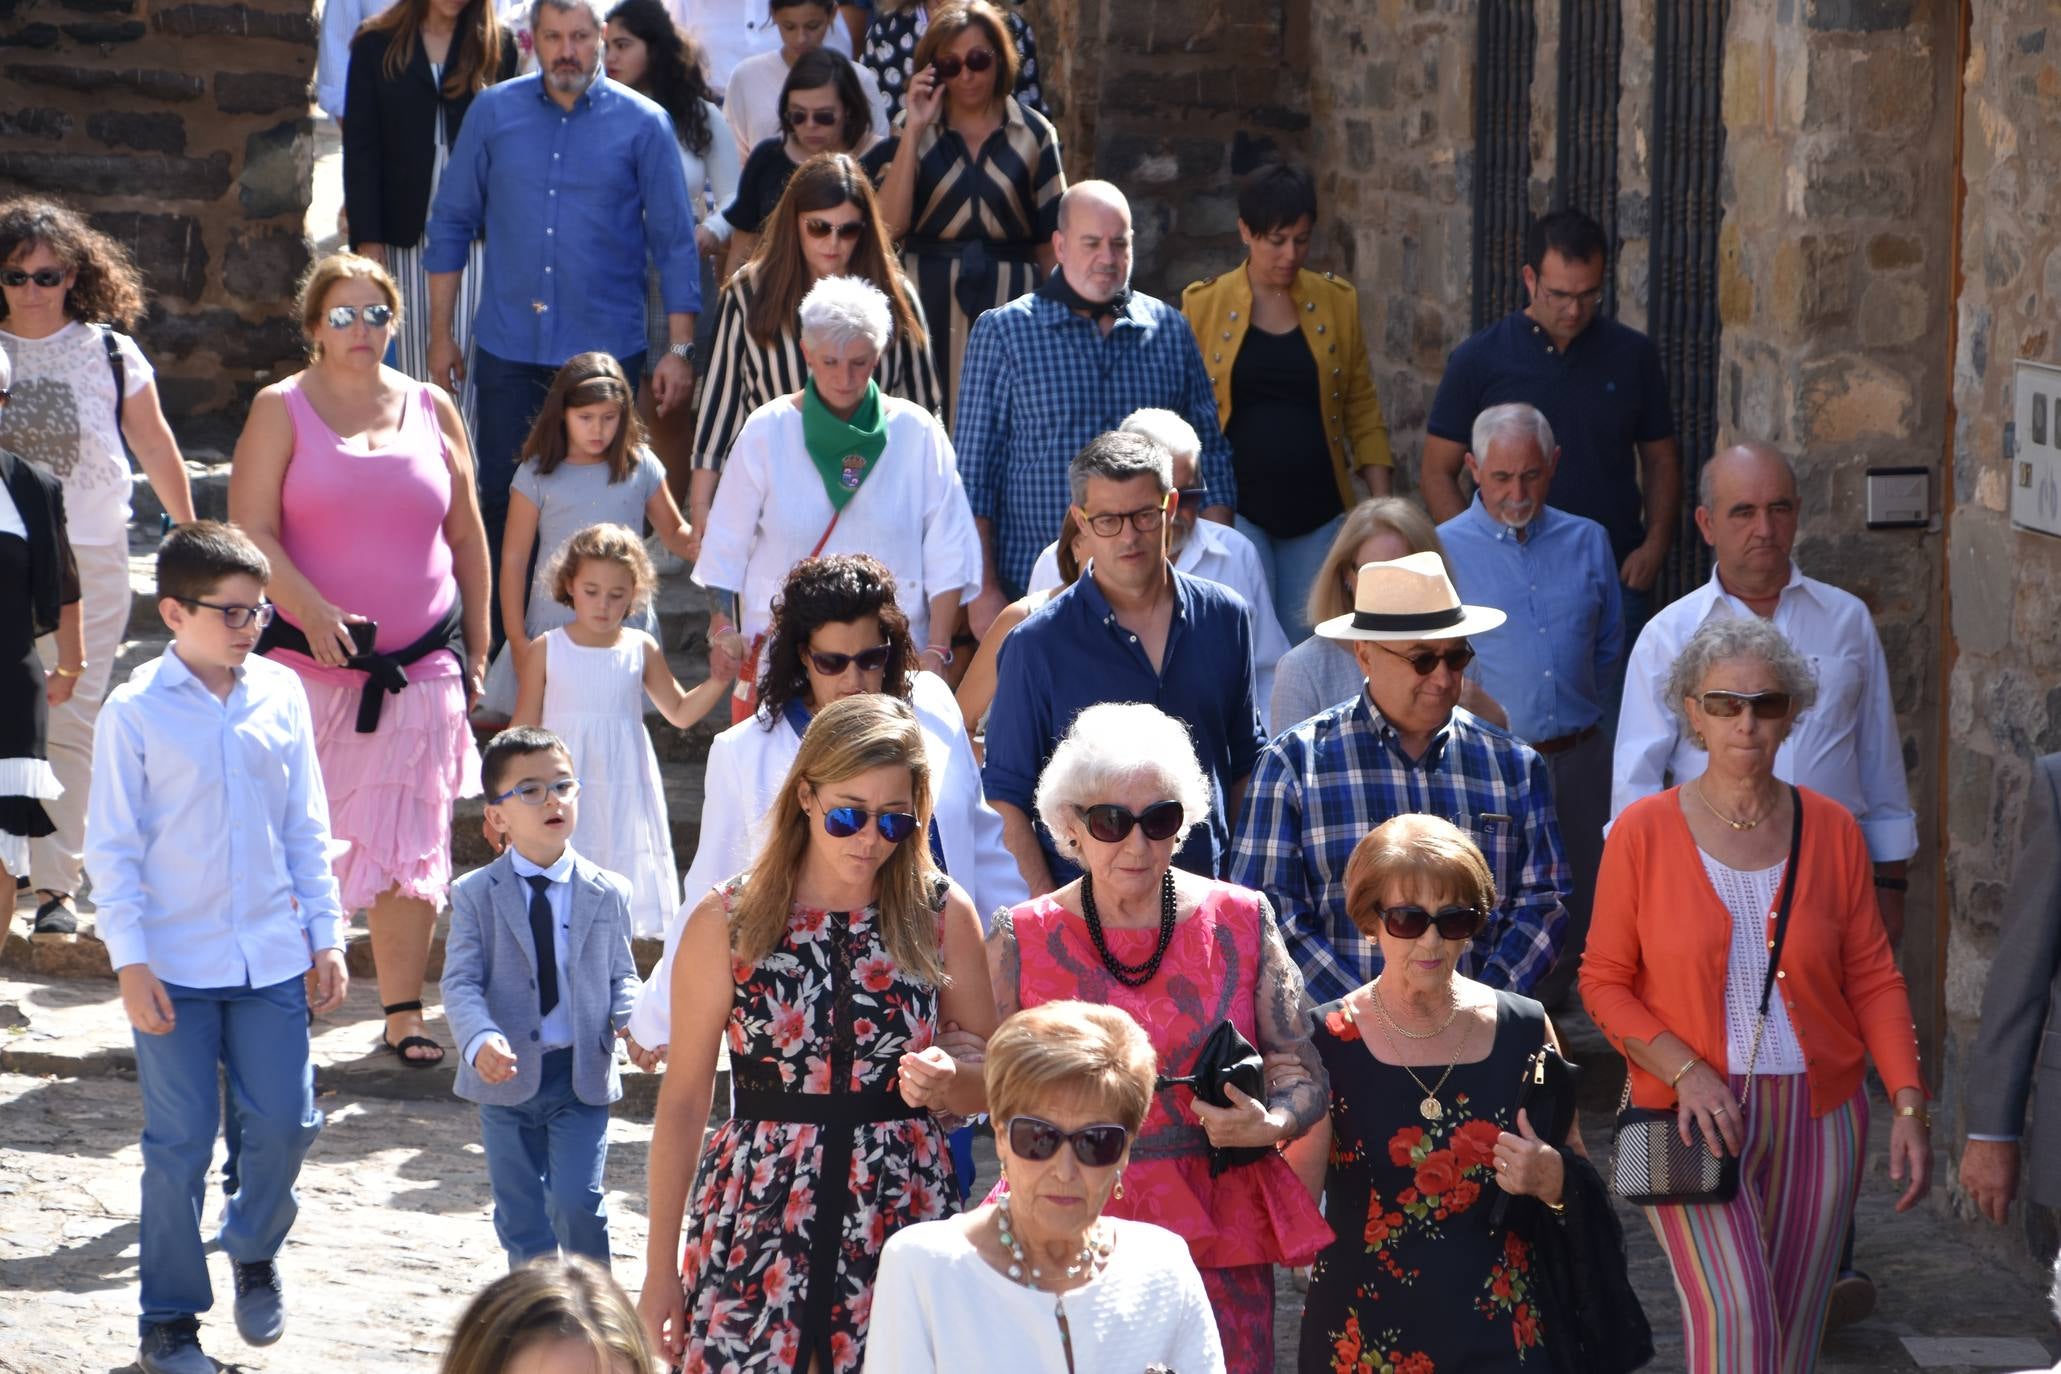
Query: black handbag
{"type": "Point", "coordinates": [1226, 1057]}
{"type": "Point", "coordinates": [1546, 1093]}
{"type": "Point", "coordinates": [1650, 1166]}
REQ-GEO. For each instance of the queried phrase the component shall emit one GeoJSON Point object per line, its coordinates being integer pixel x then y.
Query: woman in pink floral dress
{"type": "Point", "coordinates": [1180, 954]}
{"type": "Point", "coordinates": [829, 965]}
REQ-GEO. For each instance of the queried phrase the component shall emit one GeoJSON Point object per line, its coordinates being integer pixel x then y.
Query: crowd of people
{"type": "Point", "coordinates": [1107, 752]}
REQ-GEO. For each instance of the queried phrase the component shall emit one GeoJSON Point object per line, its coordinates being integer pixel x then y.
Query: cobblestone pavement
{"type": "Point", "coordinates": [395, 1228]}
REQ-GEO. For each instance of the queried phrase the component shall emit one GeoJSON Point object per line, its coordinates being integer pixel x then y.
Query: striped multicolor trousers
{"type": "Point", "coordinates": [1754, 1275]}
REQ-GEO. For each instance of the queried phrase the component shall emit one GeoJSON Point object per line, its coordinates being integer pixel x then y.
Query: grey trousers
{"type": "Point", "coordinates": [1581, 798]}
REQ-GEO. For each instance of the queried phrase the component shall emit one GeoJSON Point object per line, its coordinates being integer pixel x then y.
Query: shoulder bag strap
{"type": "Point", "coordinates": [121, 381]}
{"type": "Point", "coordinates": [1767, 987]}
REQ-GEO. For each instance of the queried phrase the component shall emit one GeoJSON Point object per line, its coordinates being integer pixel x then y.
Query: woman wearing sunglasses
{"type": "Point", "coordinates": [970, 186]}
{"type": "Point", "coordinates": [1685, 934]}
{"type": "Point", "coordinates": [826, 224]}
{"type": "Point", "coordinates": [1180, 954]}
{"type": "Point", "coordinates": [81, 390]}
{"type": "Point", "coordinates": [356, 481]}
{"type": "Point", "coordinates": [898, 29]}
{"type": "Point", "coordinates": [823, 109]}
{"type": "Point", "coordinates": [830, 965]}
{"type": "Point", "coordinates": [1040, 1280]}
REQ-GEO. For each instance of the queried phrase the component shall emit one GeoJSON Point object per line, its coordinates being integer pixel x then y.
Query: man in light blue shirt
{"type": "Point", "coordinates": [1550, 664]}
{"type": "Point", "coordinates": [207, 839]}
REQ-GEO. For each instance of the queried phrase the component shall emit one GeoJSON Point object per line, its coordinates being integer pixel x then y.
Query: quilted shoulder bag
{"type": "Point", "coordinates": [1650, 1166]}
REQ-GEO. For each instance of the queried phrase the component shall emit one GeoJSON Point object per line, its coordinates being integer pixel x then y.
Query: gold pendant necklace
{"type": "Point", "coordinates": [1430, 1108]}
{"type": "Point", "coordinates": [1736, 825]}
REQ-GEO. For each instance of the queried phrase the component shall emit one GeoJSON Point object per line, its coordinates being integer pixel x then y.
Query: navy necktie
{"type": "Point", "coordinates": [543, 928]}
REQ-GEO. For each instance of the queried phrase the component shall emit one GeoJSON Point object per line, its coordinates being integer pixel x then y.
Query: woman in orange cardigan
{"type": "Point", "coordinates": [1676, 960]}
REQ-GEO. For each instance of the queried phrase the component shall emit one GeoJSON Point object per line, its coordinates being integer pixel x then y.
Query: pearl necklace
{"type": "Point", "coordinates": [1093, 1255]}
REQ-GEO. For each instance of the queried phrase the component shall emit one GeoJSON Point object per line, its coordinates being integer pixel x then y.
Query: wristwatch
{"type": "Point", "coordinates": [683, 351]}
{"type": "Point", "coordinates": [1922, 1112]}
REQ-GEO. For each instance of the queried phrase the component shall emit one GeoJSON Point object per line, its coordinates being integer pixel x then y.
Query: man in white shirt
{"type": "Point", "coordinates": [1202, 548]}
{"type": "Point", "coordinates": [1847, 746]}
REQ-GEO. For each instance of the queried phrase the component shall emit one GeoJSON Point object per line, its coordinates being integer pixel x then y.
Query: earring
{"type": "Point", "coordinates": [1118, 1191]}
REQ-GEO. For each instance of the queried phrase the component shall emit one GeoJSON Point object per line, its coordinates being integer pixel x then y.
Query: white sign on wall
{"type": "Point", "coordinates": [2036, 454]}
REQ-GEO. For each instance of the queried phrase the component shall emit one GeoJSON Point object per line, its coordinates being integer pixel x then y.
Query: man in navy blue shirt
{"type": "Point", "coordinates": [1599, 385]}
{"type": "Point", "coordinates": [573, 181]}
{"type": "Point", "coordinates": [1130, 629]}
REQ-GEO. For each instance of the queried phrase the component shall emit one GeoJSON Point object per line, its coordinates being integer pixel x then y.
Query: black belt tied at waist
{"type": "Point", "coordinates": [820, 1109]}
{"type": "Point", "coordinates": [384, 673]}
{"type": "Point", "coordinates": [1564, 743]}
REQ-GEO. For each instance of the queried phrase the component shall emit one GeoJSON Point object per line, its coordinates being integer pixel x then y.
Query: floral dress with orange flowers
{"type": "Point", "coordinates": [1417, 1281]}
{"type": "Point", "coordinates": [787, 1217]}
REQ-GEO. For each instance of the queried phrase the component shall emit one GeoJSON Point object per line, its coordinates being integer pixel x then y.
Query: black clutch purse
{"type": "Point", "coordinates": [1546, 1094]}
{"type": "Point", "coordinates": [1226, 1057]}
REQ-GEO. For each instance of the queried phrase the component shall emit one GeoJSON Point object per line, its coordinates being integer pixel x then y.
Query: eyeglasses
{"type": "Point", "coordinates": [1191, 498]}
{"type": "Point", "coordinates": [533, 793]}
{"type": "Point", "coordinates": [1425, 660]}
{"type": "Point", "coordinates": [236, 615]}
{"type": "Point", "coordinates": [822, 119]}
{"type": "Point", "coordinates": [949, 66]}
{"type": "Point", "coordinates": [1109, 523]}
{"type": "Point", "coordinates": [1111, 823]}
{"type": "Point", "coordinates": [344, 316]}
{"type": "Point", "coordinates": [1453, 922]}
{"type": "Point", "coordinates": [848, 232]}
{"type": "Point", "coordinates": [1725, 705]}
{"type": "Point", "coordinates": [1098, 1146]}
{"type": "Point", "coordinates": [869, 660]}
{"type": "Point", "coordinates": [1586, 299]}
{"type": "Point", "coordinates": [42, 276]}
{"type": "Point", "coordinates": [843, 822]}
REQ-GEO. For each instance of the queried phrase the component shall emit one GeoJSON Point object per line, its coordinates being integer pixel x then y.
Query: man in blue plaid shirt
{"type": "Point", "coordinates": [1403, 745]}
{"type": "Point", "coordinates": [1049, 371]}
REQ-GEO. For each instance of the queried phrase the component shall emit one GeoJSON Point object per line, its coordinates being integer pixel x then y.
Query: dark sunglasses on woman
{"type": "Point", "coordinates": [344, 316]}
{"type": "Point", "coordinates": [948, 66]}
{"type": "Point", "coordinates": [822, 119]}
{"type": "Point", "coordinates": [42, 276]}
{"type": "Point", "coordinates": [1425, 660]}
{"type": "Point", "coordinates": [1110, 823]}
{"type": "Point", "coordinates": [1765, 705]}
{"type": "Point", "coordinates": [1453, 922]}
{"type": "Point", "coordinates": [869, 660]}
{"type": "Point", "coordinates": [843, 822]}
{"type": "Point", "coordinates": [1098, 1147]}
{"type": "Point", "coordinates": [848, 232]}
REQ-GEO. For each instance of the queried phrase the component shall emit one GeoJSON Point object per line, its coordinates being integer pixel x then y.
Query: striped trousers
{"type": "Point", "coordinates": [1754, 1275]}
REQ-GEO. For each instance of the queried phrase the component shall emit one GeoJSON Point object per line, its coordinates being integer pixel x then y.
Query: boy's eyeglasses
{"type": "Point", "coordinates": [344, 316]}
{"type": "Point", "coordinates": [848, 232]}
{"type": "Point", "coordinates": [869, 660]}
{"type": "Point", "coordinates": [948, 66]}
{"type": "Point", "coordinates": [1424, 661]}
{"type": "Point", "coordinates": [1453, 922]}
{"type": "Point", "coordinates": [235, 615]}
{"type": "Point", "coordinates": [1765, 705]}
{"type": "Point", "coordinates": [1111, 523]}
{"type": "Point", "coordinates": [822, 119]}
{"type": "Point", "coordinates": [843, 822]}
{"type": "Point", "coordinates": [533, 793]}
{"type": "Point", "coordinates": [1037, 1140]}
{"type": "Point", "coordinates": [42, 276]}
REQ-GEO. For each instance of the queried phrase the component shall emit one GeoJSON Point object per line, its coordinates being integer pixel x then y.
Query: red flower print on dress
{"type": "Point", "coordinates": [876, 974]}
{"type": "Point", "coordinates": [1437, 1173]}
{"type": "Point", "coordinates": [777, 1275]}
{"type": "Point", "coordinates": [1475, 1143]}
{"type": "Point", "coordinates": [806, 925]}
{"type": "Point", "coordinates": [1524, 1326]}
{"type": "Point", "coordinates": [864, 1030]}
{"type": "Point", "coordinates": [1341, 1026]}
{"type": "Point", "coordinates": [801, 1204]}
{"type": "Point", "coordinates": [1403, 1144]}
{"type": "Point", "coordinates": [788, 1027]}
{"type": "Point", "coordinates": [1464, 1195]}
{"type": "Point", "coordinates": [1346, 1348]}
{"type": "Point", "coordinates": [844, 1351]}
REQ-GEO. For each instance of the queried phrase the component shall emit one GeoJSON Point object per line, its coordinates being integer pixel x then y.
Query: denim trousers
{"type": "Point", "coordinates": [1291, 566]}
{"type": "Point", "coordinates": [545, 1161]}
{"type": "Point", "coordinates": [259, 1037]}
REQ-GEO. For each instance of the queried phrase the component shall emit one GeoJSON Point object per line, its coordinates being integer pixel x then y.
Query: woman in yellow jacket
{"type": "Point", "coordinates": [1294, 394]}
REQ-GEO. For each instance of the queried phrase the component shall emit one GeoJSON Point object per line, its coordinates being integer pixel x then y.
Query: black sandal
{"type": "Point", "coordinates": [400, 1051]}
{"type": "Point", "coordinates": [55, 922]}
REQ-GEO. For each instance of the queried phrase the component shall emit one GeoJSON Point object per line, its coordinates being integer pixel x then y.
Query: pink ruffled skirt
{"type": "Point", "coordinates": [391, 792]}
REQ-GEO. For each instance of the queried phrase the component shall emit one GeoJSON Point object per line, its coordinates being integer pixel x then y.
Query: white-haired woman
{"type": "Point", "coordinates": [1676, 971]}
{"type": "Point", "coordinates": [1181, 954]}
{"type": "Point", "coordinates": [841, 468]}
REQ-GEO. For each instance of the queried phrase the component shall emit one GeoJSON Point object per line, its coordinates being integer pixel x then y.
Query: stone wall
{"type": "Point", "coordinates": [182, 129]}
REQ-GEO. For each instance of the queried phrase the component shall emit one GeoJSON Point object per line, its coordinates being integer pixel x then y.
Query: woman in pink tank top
{"type": "Point", "coordinates": [357, 482]}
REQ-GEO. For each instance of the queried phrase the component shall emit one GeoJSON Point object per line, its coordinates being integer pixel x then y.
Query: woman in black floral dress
{"type": "Point", "coordinates": [1425, 1130]}
{"type": "Point", "coordinates": [830, 966]}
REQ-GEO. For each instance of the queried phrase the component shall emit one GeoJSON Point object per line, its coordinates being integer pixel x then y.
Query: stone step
{"type": "Point", "coordinates": [206, 472]}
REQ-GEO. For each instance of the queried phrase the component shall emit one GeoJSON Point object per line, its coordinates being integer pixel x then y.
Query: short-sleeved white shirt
{"type": "Point", "coordinates": [62, 417]}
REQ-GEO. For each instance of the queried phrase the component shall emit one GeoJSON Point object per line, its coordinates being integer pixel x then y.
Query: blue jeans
{"type": "Point", "coordinates": [1291, 566]}
{"type": "Point", "coordinates": [260, 1036]}
{"type": "Point", "coordinates": [545, 1160]}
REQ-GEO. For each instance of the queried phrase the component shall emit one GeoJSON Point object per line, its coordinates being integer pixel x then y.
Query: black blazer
{"type": "Point", "coordinates": [53, 574]}
{"type": "Point", "coordinates": [389, 139]}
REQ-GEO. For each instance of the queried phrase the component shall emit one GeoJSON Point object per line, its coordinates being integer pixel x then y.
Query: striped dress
{"type": "Point", "coordinates": [744, 374]}
{"type": "Point", "coordinates": [404, 264]}
{"type": "Point", "coordinates": [976, 222]}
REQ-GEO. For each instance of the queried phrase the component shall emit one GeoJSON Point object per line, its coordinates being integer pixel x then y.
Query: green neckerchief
{"type": "Point", "coordinates": [844, 451]}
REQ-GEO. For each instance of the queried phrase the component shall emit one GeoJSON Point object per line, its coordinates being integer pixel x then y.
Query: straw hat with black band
{"type": "Point", "coordinates": [1407, 599]}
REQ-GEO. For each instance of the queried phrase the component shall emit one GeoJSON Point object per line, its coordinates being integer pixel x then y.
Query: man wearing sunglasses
{"type": "Point", "coordinates": [1404, 745]}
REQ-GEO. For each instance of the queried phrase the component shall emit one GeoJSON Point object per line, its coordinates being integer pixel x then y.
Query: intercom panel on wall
{"type": "Point", "coordinates": [2036, 454]}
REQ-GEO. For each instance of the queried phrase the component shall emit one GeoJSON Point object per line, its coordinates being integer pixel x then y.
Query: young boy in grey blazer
{"type": "Point", "coordinates": [538, 985]}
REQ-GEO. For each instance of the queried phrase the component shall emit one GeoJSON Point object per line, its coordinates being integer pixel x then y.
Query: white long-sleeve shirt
{"type": "Point", "coordinates": [751, 103]}
{"type": "Point", "coordinates": [731, 30]}
{"type": "Point", "coordinates": [207, 831]}
{"type": "Point", "coordinates": [1846, 746]}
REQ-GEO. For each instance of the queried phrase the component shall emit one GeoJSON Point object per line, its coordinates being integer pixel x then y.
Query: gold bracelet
{"type": "Point", "coordinates": [1558, 1209]}
{"type": "Point", "coordinates": [1694, 1060]}
{"type": "Point", "coordinates": [63, 671]}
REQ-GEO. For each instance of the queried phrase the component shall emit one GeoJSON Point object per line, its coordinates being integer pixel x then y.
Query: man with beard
{"type": "Point", "coordinates": [1550, 664]}
{"type": "Point", "coordinates": [573, 181]}
{"type": "Point", "coordinates": [1049, 371]}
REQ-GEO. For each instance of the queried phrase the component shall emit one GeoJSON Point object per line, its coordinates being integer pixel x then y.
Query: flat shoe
{"type": "Point", "coordinates": [260, 1302]}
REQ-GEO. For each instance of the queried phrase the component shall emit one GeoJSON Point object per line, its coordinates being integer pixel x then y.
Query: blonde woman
{"type": "Point", "coordinates": [830, 965]}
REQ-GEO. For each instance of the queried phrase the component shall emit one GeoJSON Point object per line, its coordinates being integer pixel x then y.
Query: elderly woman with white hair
{"type": "Point", "coordinates": [1200, 964]}
{"type": "Point", "coordinates": [1738, 961]}
{"type": "Point", "coordinates": [840, 468]}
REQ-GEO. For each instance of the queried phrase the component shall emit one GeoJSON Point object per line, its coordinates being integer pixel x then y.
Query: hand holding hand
{"type": "Point", "coordinates": [966, 1048]}
{"type": "Point", "coordinates": [495, 1060]}
{"type": "Point", "coordinates": [332, 981]}
{"type": "Point", "coordinates": [1246, 1122]}
{"type": "Point", "coordinates": [1705, 1098]}
{"type": "Point", "coordinates": [926, 1076]}
{"type": "Point", "coordinates": [1989, 1173]}
{"type": "Point", "coordinates": [1527, 1166]}
{"type": "Point", "coordinates": [145, 1000]}
{"type": "Point", "coordinates": [648, 1060]}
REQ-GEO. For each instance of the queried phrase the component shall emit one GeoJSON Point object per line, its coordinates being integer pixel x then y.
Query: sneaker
{"type": "Point", "coordinates": [54, 922]}
{"type": "Point", "coordinates": [260, 1302]}
{"type": "Point", "coordinates": [1853, 1298]}
{"type": "Point", "coordinates": [173, 1348]}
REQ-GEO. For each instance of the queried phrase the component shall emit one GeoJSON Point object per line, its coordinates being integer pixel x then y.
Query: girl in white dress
{"type": "Point", "coordinates": [586, 681]}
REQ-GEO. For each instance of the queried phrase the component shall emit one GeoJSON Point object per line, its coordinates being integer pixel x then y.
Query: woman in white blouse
{"type": "Point", "coordinates": [1039, 1280]}
{"type": "Point", "coordinates": [841, 468]}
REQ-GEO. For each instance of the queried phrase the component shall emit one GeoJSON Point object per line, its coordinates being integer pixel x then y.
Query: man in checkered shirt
{"type": "Point", "coordinates": [1403, 745]}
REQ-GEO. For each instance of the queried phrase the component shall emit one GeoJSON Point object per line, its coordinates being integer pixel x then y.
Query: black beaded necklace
{"type": "Point", "coordinates": [1130, 975]}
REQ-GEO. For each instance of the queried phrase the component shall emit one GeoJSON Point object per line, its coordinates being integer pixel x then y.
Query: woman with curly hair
{"type": "Point", "coordinates": [83, 398]}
